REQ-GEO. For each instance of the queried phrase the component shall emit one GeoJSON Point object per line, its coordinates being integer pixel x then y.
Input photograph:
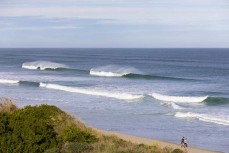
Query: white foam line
{"type": "Point", "coordinates": [30, 67]}
{"type": "Point", "coordinates": [123, 96]}
{"type": "Point", "coordinates": [179, 99]}
{"type": "Point", "coordinates": [42, 65]}
{"type": "Point", "coordinates": [204, 117]}
{"type": "Point", "coordinates": [106, 74]}
{"type": "Point", "coordinates": [113, 71]}
{"type": "Point", "coordinates": [5, 81]}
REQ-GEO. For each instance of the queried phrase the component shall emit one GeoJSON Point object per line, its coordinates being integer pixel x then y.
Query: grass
{"type": "Point", "coordinates": [7, 105]}
{"type": "Point", "coordinates": [48, 129]}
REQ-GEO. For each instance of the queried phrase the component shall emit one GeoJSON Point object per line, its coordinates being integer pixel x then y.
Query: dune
{"type": "Point", "coordinates": [147, 141]}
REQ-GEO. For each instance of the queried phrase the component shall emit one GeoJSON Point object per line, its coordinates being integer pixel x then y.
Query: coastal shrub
{"type": "Point", "coordinates": [177, 151]}
{"type": "Point", "coordinates": [74, 134]}
{"type": "Point", "coordinates": [39, 129]}
{"type": "Point", "coordinates": [26, 130]}
{"type": "Point", "coordinates": [77, 148]}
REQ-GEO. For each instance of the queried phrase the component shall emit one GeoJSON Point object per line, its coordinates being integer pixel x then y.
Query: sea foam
{"type": "Point", "coordinates": [106, 74]}
{"type": "Point", "coordinates": [179, 99]}
{"type": "Point", "coordinates": [223, 120]}
{"type": "Point", "coordinates": [42, 65]}
{"type": "Point", "coordinates": [5, 81]}
{"type": "Point", "coordinates": [123, 96]}
{"type": "Point", "coordinates": [113, 71]}
{"type": "Point", "coordinates": [173, 105]}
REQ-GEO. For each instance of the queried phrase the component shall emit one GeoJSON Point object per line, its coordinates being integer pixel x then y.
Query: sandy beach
{"type": "Point", "coordinates": [147, 141]}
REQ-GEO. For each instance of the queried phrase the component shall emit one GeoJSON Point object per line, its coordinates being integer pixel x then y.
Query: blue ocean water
{"type": "Point", "coordinates": [155, 93]}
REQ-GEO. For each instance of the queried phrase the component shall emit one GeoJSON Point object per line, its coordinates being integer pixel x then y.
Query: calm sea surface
{"type": "Point", "coordinates": [155, 93]}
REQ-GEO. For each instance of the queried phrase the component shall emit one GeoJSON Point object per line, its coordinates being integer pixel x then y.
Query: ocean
{"type": "Point", "coordinates": [163, 94]}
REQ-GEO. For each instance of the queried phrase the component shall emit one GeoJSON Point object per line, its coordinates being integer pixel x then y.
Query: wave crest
{"type": "Point", "coordinates": [22, 83]}
{"type": "Point", "coordinates": [113, 71]}
{"type": "Point", "coordinates": [179, 99]}
{"type": "Point", "coordinates": [6, 81]}
{"type": "Point", "coordinates": [123, 96]}
{"type": "Point", "coordinates": [42, 65]}
{"type": "Point", "coordinates": [204, 117]}
{"type": "Point", "coordinates": [106, 74]}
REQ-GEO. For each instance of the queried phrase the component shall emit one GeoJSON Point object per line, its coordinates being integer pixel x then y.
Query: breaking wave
{"type": "Point", "coordinates": [23, 83]}
{"type": "Point", "coordinates": [133, 76]}
{"type": "Point", "coordinates": [203, 99]}
{"type": "Point", "coordinates": [126, 72]}
{"type": "Point", "coordinates": [223, 120]}
{"type": "Point", "coordinates": [113, 71]}
{"type": "Point", "coordinates": [43, 65]}
{"type": "Point", "coordinates": [179, 99]}
{"type": "Point", "coordinates": [5, 81]}
{"type": "Point", "coordinates": [106, 74]}
{"type": "Point", "coordinates": [123, 96]}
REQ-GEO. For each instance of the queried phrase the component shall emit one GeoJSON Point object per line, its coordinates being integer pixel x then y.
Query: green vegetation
{"type": "Point", "coordinates": [44, 128]}
{"type": "Point", "coordinates": [177, 151]}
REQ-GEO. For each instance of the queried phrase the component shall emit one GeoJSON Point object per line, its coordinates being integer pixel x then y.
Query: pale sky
{"type": "Point", "coordinates": [114, 23]}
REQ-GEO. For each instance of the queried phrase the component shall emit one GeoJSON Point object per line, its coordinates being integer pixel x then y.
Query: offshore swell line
{"type": "Point", "coordinates": [104, 71]}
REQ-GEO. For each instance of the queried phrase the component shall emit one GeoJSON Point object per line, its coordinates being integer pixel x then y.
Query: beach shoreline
{"type": "Point", "coordinates": [148, 141]}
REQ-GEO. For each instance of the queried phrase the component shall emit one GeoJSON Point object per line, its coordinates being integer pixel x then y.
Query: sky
{"type": "Point", "coordinates": [114, 23]}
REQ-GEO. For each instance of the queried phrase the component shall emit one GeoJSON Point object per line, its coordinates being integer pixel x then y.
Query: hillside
{"type": "Point", "coordinates": [48, 129]}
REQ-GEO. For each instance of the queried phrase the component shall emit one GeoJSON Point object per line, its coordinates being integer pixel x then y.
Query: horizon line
{"type": "Point", "coordinates": [114, 47]}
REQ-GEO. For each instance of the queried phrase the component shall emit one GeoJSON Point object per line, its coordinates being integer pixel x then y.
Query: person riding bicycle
{"type": "Point", "coordinates": [182, 142]}
{"type": "Point", "coordinates": [185, 142]}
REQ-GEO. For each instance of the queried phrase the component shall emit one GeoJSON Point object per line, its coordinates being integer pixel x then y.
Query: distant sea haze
{"type": "Point", "coordinates": [156, 93]}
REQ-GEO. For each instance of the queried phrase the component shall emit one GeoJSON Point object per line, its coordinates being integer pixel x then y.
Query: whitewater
{"type": "Point", "coordinates": [6, 81]}
{"type": "Point", "coordinates": [113, 71]}
{"type": "Point", "coordinates": [123, 96]}
{"type": "Point", "coordinates": [179, 99]}
{"type": "Point", "coordinates": [155, 93]}
{"type": "Point", "coordinates": [223, 120]}
{"type": "Point", "coordinates": [42, 65]}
